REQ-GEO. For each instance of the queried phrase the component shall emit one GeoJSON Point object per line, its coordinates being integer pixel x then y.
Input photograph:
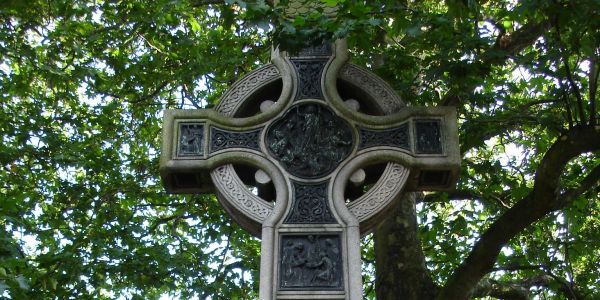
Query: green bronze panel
{"type": "Point", "coordinates": [309, 140]}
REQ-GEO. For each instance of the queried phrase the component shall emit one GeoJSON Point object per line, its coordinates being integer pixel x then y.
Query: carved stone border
{"type": "Point", "coordinates": [367, 207]}
{"type": "Point", "coordinates": [248, 209]}
{"type": "Point", "coordinates": [389, 185]}
{"type": "Point", "coordinates": [377, 88]}
{"type": "Point", "coordinates": [243, 88]}
{"type": "Point", "coordinates": [234, 195]}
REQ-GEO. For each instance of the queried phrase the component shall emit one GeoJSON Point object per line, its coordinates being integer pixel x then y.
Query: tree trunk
{"type": "Point", "coordinates": [401, 273]}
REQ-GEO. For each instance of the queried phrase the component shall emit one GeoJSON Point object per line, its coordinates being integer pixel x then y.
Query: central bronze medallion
{"type": "Point", "coordinates": [309, 140]}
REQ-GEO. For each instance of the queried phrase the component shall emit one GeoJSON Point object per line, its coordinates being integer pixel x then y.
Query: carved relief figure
{"type": "Point", "coordinates": [190, 142]}
{"type": "Point", "coordinates": [311, 261]}
{"type": "Point", "coordinates": [428, 137]}
{"type": "Point", "coordinates": [323, 266]}
{"type": "Point", "coordinates": [282, 147]}
{"type": "Point", "coordinates": [293, 261]}
{"type": "Point", "coordinates": [309, 140]}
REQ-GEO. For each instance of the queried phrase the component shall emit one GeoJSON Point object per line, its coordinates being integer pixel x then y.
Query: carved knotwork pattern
{"type": "Point", "coordinates": [377, 88]}
{"type": "Point", "coordinates": [394, 137]}
{"type": "Point", "coordinates": [310, 261]}
{"type": "Point", "coordinates": [223, 139]}
{"type": "Point", "coordinates": [234, 189]}
{"type": "Point", "coordinates": [429, 137]}
{"type": "Point", "coordinates": [310, 205]}
{"type": "Point", "coordinates": [309, 78]}
{"type": "Point", "coordinates": [245, 87]}
{"type": "Point", "coordinates": [318, 50]}
{"type": "Point", "coordinates": [309, 140]}
{"type": "Point", "coordinates": [191, 136]}
{"type": "Point", "coordinates": [381, 194]}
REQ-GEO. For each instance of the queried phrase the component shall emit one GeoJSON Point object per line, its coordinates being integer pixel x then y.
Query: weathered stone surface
{"type": "Point", "coordinates": [300, 151]}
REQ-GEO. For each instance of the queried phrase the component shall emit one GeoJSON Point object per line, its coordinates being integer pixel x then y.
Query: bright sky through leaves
{"type": "Point", "coordinates": [83, 84]}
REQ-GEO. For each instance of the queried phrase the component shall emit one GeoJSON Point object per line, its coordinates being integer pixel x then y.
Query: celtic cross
{"type": "Point", "coordinates": [309, 131]}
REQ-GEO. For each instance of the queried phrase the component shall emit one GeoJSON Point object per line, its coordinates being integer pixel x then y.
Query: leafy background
{"type": "Point", "coordinates": [83, 214]}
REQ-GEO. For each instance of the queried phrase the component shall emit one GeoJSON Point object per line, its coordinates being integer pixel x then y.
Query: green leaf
{"type": "Point", "coordinates": [194, 25]}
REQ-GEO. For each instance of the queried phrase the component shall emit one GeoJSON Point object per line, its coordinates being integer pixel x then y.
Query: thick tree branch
{"type": "Point", "coordinates": [511, 44]}
{"type": "Point", "coordinates": [519, 290]}
{"type": "Point", "coordinates": [543, 199]}
{"type": "Point", "coordinates": [501, 290]}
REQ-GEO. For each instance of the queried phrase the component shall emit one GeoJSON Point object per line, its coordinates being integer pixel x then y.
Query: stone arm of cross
{"type": "Point", "coordinates": [197, 144]}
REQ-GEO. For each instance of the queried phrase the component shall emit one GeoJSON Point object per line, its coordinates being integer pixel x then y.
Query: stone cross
{"type": "Point", "coordinates": [310, 131]}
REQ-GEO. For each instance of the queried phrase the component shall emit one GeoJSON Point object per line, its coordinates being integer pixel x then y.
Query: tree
{"type": "Point", "coordinates": [83, 84]}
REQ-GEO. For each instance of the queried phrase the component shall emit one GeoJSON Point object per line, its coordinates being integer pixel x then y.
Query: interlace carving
{"type": "Point", "coordinates": [318, 50]}
{"type": "Point", "coordinates": [309, 78]}
{"type": "Point", "coordinates": [381, 194]}
{"type": "Point", "coordinates": [222, 139]}
{"type": "Point", "coordinates": [309, 140]}
{"type": "Point", "coordinates": [310, 205]}
{"type": "Point", "coordinates": [245, 87]}
{"type": "Point", "coordinates": [394, 137]}
{"type": "Point", "coordinates": [309, 245]}
{"type": "Point", "coordinates": [234, 189]}
{"type": "Point", "coordinates": [378, 89]}
{"type": "Point", "coordinates": [310, 261]}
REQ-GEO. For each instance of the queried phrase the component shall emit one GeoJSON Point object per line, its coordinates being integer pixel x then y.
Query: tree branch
{"type": "Point", "coordinates": [519, 267]}
{"type": "Point", "coordinates": [475, 134]}
{"type": "Point", "coordinates": [501, 290]}
{"type": "Point", "coordinates": [461, 195]}
{"type": "Point", "coordinates": [545, 279]}
{"type": "Point", "coordinates": [589, 182]}
{"type": "Point", "coordinates": [454, 195]}
{"type": "Point", "coordinates": [543, 199]}
{"type": "Point", "coordinates": [576, 91]}
{"type": "Point", "coordinates": [520, 290]}
{"type": "Point", "coordinates": [508, 45]}
{"type": "Point", "coordinates": [199, 3]}
{"type": "Point", "coordinates": [511, 44]}
{"type": "Point", "coordinates": [153, 94]}
{"type": "Point", "coordinates": [565, 98]}
{"type": "Point", "coordinates": [593, 77]}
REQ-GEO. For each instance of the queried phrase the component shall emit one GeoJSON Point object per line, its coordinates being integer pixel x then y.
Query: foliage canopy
{"type": "Point", "coordinates": [82, 85]}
